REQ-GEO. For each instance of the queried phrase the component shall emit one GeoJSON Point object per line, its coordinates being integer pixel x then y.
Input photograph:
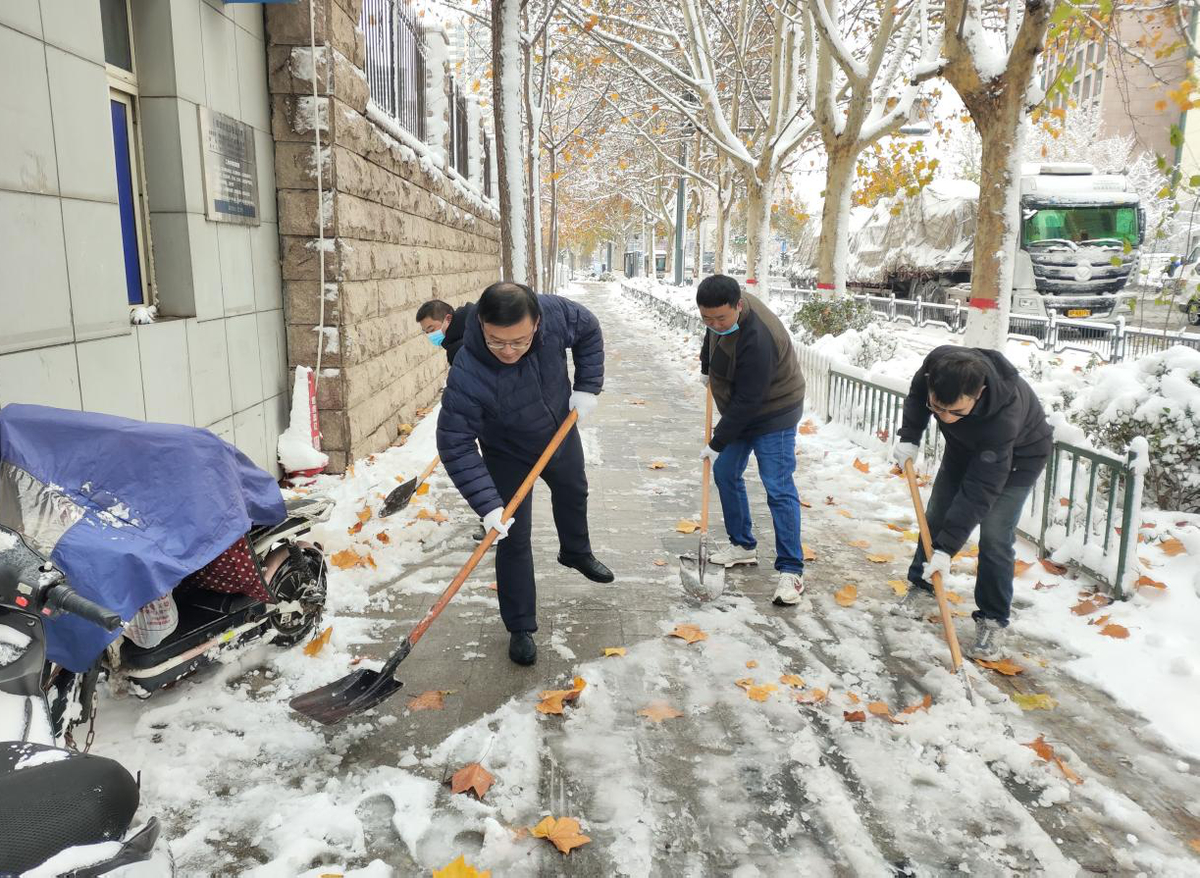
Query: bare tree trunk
{"type": "Point", "coordinates": [698, 253]}
{"type": "Point", "coordinates": [506, 63]}
{"type": "Point", "coordinates": [724, 206]}
{"type": "Point", "coordinates": [669, 266]}
{"type": "Point", "coordinates": [533, 140]}
{"type": "Point", "coordinates": [835, 238]}
{"type": "Point", "coordinates": [550, 281]}
{"type": "Point", "coordinates": [758, 229]}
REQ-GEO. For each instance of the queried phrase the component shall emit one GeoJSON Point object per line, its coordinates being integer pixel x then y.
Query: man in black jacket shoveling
{"type": "Point", "coordinates": [749, 363]}
{"type": "Point", "coordinates": [508, 390]}
{"type": "Point", "coordinates": [997, 442]}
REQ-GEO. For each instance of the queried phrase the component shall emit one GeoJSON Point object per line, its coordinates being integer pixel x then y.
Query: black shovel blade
{"type": "Point", "coordinates": [136, 849]}
{"type": "Point", "coordinates": [353, 693]}
{"type": "Point", "coordinates": [398, 498]}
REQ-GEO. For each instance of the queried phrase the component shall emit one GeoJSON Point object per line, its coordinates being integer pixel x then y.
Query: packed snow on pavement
{"type": "Point", "coordinates": [828, 739]}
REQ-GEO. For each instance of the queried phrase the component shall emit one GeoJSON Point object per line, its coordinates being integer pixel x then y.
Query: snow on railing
{"type": "Point", "coordinates": [1084, 511]}
{"type": "Point", "coordinates": [1111, 342]}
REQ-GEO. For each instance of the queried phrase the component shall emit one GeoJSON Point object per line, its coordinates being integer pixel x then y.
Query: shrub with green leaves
{"type": "Point", "coordinates": [820, 316]}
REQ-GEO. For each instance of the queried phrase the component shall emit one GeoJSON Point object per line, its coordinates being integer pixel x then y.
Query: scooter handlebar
{"type": "Point", "coordinates": [63, 598]}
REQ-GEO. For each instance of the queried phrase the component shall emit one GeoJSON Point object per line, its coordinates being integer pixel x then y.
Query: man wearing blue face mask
{"type": "Point", "coordinates": [443, 325]}
{"type": "Point", "coordinates": [749, 363]}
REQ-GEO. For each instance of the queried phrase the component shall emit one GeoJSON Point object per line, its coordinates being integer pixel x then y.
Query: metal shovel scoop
{"type": "Point", "coordinates": [399, 497]}
{"type": "Point", "coordinates": [702, 580]}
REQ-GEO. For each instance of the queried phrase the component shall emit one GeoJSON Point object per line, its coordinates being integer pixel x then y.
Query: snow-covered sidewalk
{"type": "Point", "coordinates": [827, 739]}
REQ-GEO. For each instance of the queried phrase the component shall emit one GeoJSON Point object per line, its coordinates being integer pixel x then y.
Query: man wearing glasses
{"type": "Point", "coordinates": [509, 391]}
{"type": "Point", "coordinates": [997, 442]}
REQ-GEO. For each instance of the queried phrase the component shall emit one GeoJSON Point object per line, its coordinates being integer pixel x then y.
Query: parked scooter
{"type": "Point", "coordinates": [269, 584]}
{"type": "Point", "coordinates": [53, 799]}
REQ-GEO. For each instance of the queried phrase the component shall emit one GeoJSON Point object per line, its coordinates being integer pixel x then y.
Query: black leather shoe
{"type": "Point", "coordinates": [521, 648]}
{"type": "Point", "coordinates": [588, 566]}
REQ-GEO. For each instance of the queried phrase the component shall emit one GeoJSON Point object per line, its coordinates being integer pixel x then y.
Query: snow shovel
{"type": "Point", "coordinates": [938, 591]}
{"type": "Point", "coordinates": [399, 497]}
{"type": "Point", "coordinates": [700, 579]}
{"type": "Point", "coordinates": [364, 688]}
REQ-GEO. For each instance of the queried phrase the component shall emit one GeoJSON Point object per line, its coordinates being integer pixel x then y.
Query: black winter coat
{"type": "Point", "coordinates": [514, 410]}
{"type": "Point", "coordinates": [456, 331]}
{"type": "Point", "coordinates": [1005, 440]}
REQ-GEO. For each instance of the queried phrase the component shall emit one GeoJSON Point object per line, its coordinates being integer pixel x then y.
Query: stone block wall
{"type": "Point", "coordinates": [397, 229]}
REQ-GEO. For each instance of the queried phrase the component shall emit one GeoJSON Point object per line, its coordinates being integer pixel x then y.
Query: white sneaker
{"type": "Point", "coordinates": [916, 604]}
{"type": "Point", "coordinates": [733, 555]}
{"type": "Point", "coordinates": [787, 593]}
{"type": "Point", "coordinates": [989, 641]}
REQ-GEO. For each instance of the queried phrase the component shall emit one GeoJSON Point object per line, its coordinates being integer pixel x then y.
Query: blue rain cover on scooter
{"type": "Point", "coordinates": [126, 509]}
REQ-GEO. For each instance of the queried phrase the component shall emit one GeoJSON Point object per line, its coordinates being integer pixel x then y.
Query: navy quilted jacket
{"type": "Point", "coordinates": [514, 409]}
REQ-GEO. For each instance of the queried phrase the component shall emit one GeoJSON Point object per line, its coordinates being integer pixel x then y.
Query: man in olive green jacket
{"type": "Point", "coordinates": [751, 367]}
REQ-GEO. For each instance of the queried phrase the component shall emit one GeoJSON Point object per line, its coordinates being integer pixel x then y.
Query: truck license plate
{"type": "Point", "coordinates": [1079, 312]}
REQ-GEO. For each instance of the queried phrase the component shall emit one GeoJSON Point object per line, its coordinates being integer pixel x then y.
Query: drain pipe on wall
{"type": "Point", "coordinates": [316, 121]}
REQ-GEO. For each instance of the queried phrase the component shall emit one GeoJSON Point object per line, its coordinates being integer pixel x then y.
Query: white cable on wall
{"type": "Point", "coordinates": [312, 43]}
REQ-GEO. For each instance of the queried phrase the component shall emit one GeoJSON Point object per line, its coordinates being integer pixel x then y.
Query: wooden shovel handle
{"type": "Point", "coordinates": [938, 591]}
{"type": "Point", "coordinates": [429, 469]}
{"type": "Point", "coordinates": [708, 409]}
{"type": "Point", "coordinates": [517, 499]}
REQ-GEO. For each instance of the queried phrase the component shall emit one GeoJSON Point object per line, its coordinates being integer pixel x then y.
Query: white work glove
{"type": "Point", "coordinates": [939, 563]}
{"type": "Point", "coordinates": [709, 453]}
{"type": "Point", "coordinates": [492, 521]}
{"type": "Point", "coordinates": [583, 402]}
{"type": "Point", "coordinates": [903, 452]}
{"type": "Point", "coordinates": [704, 380]}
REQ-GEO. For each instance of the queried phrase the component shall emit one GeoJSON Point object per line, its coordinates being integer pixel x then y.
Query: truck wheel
{"type": "Point", "coordinates": [933, 293]}
{"type": "Point", "coordinates": [1193, 312]}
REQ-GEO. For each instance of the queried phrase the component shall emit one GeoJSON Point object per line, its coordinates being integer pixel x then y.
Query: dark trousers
{"type": "Point", "coordinates": [567, 481]}
{"type": "Point", "coordinates": [997, 545]}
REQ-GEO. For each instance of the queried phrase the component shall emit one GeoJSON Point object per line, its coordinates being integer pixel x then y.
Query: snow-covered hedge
{"type": "Point", "coordinates": [1157, 397]}
{"type": "Point", "coordinates": [861, 339]}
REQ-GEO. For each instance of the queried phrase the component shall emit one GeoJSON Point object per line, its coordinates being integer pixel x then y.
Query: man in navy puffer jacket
{"type": "Point", "coordinates": [508, 390]}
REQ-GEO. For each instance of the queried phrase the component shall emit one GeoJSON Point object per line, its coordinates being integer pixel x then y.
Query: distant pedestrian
{"type": "Point", "coordinates": [509, 391]}
{"type": "Point", "coordinates": [751, 366]}
{"type": "Point", "coordinates": [997, 443]}
{"type": "Point", "coordinates": [444, 325]}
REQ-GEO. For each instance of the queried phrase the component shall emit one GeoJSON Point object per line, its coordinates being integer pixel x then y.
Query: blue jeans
{"type": "Point", "coordinates": [997, 545]}
{"type": "Point", "coordinates": [776, 455]}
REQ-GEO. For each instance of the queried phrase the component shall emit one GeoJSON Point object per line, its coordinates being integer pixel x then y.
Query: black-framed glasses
{"type": "Point", "coordinates": [522, 345]}
{"type": "Point", "coordinates": [942, 410]}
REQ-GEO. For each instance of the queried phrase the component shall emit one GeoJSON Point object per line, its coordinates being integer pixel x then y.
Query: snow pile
{"type": "Point", "coordinates": [295, 448]}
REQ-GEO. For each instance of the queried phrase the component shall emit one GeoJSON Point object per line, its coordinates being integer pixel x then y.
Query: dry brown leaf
{"type": "Point", "coordinates": [761, 692]}
{"type": "Point", "coordinates": [792, 680]}
{"type": "Point", "coordinates": [493, 586]}
{"type": "Point", "coordinates": [422, 489]}
{"type": "Point", "coordinates": [861, 466]}
{"type": "Point", "coordinates": [364, 514]}
{"type": "Point", "coordinates": [1171, 547]}
{"type": "Point", "coordinates": [813, 696]}
{"type": "Point", "coordinates": [1052, 567]}
{"type": "Point", "coordinates": [1047, 754]}
{"type": "Point", "coordinates": [404, 429]}
{"type": "Point", "coordinates": [880, 559]}
{"type": "Point", "coordinates": [347, 559]}
{"type": "Point", "coordinates": [383, 537]}
{"type": "Point", "coordinates": [879, 708]}
{"type": "Point", "coordinates": [473, 777]}
{"type": "Point", "coordinates": [658, 464]}
{"type": "Point", "coordinates": [854, 716]}
{"type": "Point", "coordinates": [687, 526]}
{"type": "Point", "coordinates": [658, 711]}
{"type": "Point", "coordinates": [806, 504]}
{"type": "Point", "coordinates": [553, 699]}
{"type": "Point", "coordinates": [952, 597]}
{"type": "Point", "coordinates": [614, 651]}
{"type": "Point", "coordinates": [1086, 607]}
{"type": "Point", "coordinates": [562, 832]}
{"type": "Point", "coordinates": [852, 697]}
{"type": "Point", "coordinates": [807, 428]}
{"type": "Point", "coordinates": [744, 683]}
{"type": "Point", "coordinates": [1007, 667]}
{"type": "Point", "coordinates": [859, 544]}
{"type": "Point", "coordinates": [845, 513]}
{"type": "Point", "coordinates": [1044, 586]}
{"type": "Point", "coordinates": [689, 633]}
{"type": "Point", "coordinates": [354, 528]}
{"type": "Point", "coordinates": [846, 596]}
{"type": "Point", "coordinates": [899, 586]}
{"type": "Point", "coordinates": [897, 528]}
{"type": "Point", "coordinates": [809, 554]}
{"type": "Point", "coordinates": [829, 501]}
{"type": "Point", "coordinates": [924, 704]}
{"type": "Point", "coordinates": [636, 401]}
{"type": "Point", "coordinates": [1119, 632]}
{"type": "Point", "coordinates": [428, 700]}
{"type": "Point", "coordinates": [752, 664]}
{"type": "Point", "coordinates": [1019, 567]}
{"type": "Point", "coordinates": [314, 646]}
{"type": "Point", "coordinates": [437, 517]}
{"type": "Point", "coordinates": [1152, 583]}
{"type": "Point", "coordinates": [1103, 620]}
{"type": "Point", "coordinates": [1194, 844]}
{"type": "Point", "coordinates": [659, 562]}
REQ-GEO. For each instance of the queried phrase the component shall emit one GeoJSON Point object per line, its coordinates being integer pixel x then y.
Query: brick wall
{"type": "Point", "coordinates": [398, 232]}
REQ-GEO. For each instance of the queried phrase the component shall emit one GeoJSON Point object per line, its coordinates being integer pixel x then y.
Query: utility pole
{"type": "Point", "coordinates": [680, 216]}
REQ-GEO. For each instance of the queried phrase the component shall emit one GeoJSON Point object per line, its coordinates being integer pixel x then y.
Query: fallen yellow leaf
{"type": "Point", "coordinates": [846, 596]}
{"type": "Point", "coordinates": [879, 708]}
{"type": "Point", "coordinates": [880, 559]}
{"type": "Point", "coordinates": [659, 711]}
{"type": "Point", "coordinates": [752, 664]}
{"type": "Point", "coordinates": [658, 464]}
{"type": "Point", "coordinates": [761, 692]}
{"type": "Point", "coordinates": [317, 644]}
{"type": "Point", "coordinates": [924, 704]}
{"type": "Point", "coordinates": [553, 699]}
{"type": "Point", "coordinates": [687, 526]}
{"type": "Point", "coordinates": [809, 554]}
{"type": "Point", "coordinates": [1038, 701]}
{"type": "Point", "coordinates": [1120, 632]}
{"type": "Point", "coordinates": [458, 869]}
{"type": "Point", "coordinates": [952, 597]}
{"type": "Point", "coordinates": [614, 650]}
{"type": "Point", "coordinates": [364, 514]}
{"type": "Point", "coordinates": [1171, 547]}
{"type": "Point", "coordinates": [813, 696]}
{"type": "Point", "coordinates": [563, 833]}
{"type": "Point", "coordinates": [422, 489]}
{"type": "Point", "coordinates": [859, 544]}
{"type": "Point", "coordinates": [1007, 667]}
{"type": "Point", "coordinates": [854, 716]}
{"type": "Point", "coordinates": [844, 513]}
{"type": "Point", "coordinates": [689, 633]}
{"type": "Point", "coordinates": [792, 680]}
{"type": "Point", "coordinates": [430, 700]}
{"type": "Point", "coordinates": [861, 466]}
{"type": "Point", "coordinates": [899, 586]}
{"type": "Point", "coordinates": [1151, 583]}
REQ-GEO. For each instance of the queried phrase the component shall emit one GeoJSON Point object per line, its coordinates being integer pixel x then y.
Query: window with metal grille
{"type": "Point", "coordinates": [486, 170]}
{"type": "Point", "coordinates": [395, 49]}
{"type": "Point", "coordinates": [458, 127]}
